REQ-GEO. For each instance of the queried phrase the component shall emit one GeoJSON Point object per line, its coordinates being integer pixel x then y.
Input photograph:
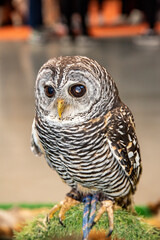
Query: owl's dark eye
{"type": "Point", "coordinates": [77, 90]}
{"type": "Point", "coordinates": [49, 91]}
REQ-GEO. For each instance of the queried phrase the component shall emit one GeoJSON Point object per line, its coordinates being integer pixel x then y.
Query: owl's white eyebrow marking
{"type": "Point", "coordinates": [61, 76]}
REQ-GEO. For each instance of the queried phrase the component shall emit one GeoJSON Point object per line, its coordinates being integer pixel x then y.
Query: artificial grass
{"type": "Point", "coordinates": [127, 226]}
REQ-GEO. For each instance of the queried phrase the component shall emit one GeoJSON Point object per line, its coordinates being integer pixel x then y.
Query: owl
{"type": "Point", "coordinates": [86, 134]}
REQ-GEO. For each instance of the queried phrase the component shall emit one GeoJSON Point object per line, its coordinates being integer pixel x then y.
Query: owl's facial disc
{"type": "Point", "coordinates": [68, 96]}
{"type": "Point", "coordinates": [73, 91]}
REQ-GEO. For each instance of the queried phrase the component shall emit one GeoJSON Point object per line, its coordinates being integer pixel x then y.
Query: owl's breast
{"type": "Point", "coordinates": [82, 156]}
{"type": "Point", "coordinates": [77, 153]}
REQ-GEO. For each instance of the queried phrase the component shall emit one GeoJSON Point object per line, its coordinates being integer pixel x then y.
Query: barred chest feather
{"type": "Point", "coordinates": [77, 153]}
{"type": "Point", "coordinates": [82, 157]}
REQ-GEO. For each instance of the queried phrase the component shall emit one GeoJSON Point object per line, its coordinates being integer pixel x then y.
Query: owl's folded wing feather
{"type": "Point", "coordinates": [36, 146]}
{"type": "Point", "coordinates": [123, 142]}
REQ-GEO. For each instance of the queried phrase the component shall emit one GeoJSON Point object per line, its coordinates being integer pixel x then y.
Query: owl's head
{"type": "Point", "coordinates": [73, 89]}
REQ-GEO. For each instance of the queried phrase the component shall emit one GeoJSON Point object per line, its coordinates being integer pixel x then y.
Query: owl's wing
{"type": "Point", "coordinates": [123, 142]}
{"type": "Point", "coordinates": [36, 146]}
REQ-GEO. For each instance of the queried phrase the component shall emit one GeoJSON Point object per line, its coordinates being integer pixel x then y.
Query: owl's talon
{"type": "Point", "coordinates": [53, 211]}
{"type": "Point", "coordinates": [92, 224]}
{"type": "Point", "coordinates": [110, 232]}
{"type": "Point", "coordinates": [107, 206]}
{"type": "Point", "coordinates": [61, 222]}
{"type": "Point", "coordinates": [47, 219]}
{"type": "Point", "coordinates": [63, 206]}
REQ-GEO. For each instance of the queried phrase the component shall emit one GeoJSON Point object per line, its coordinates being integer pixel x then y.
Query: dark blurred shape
{"type": "Point", "coordinates": [131, 12]}
{"type": "Point", "coordinates": [13, 12]}
{"type": "Point", "coordinates": [5, 12]}
{"type": "Point", "coordinates": [35, 14]}
{"type": "Point", "coordinates": [150, 8]}
{"type": "Point", "coordinates": [39, 33]}
{"type": "Point", "coordinates": [155, 207]}
{"type": "Point", "coordinates": [128, 6]}
{"type": "Point", "coordinates": [100, 4]}
{"type": "Point", "coordinates": [100, 8]}
{"type": "Point", "coordinates": [150, 37]}
{"type": "Point", "coordinates": [74, 13]}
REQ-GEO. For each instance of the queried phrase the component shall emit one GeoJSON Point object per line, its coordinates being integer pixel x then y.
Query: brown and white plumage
{"type": "Point", "coordinates": [91, 140]}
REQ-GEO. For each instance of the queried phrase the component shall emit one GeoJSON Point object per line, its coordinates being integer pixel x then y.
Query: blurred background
{"type": "Point", "coordinates": [123, 36]}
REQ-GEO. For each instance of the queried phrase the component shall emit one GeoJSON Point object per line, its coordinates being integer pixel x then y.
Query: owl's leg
{"type": "Point", "coordinates": [107, 206]}
{"type": "Point", "coordinates": [89, 212]}
{"type": "Point", "coordinates": [63, 206]}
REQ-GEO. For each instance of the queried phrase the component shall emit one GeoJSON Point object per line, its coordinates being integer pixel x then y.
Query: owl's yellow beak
{"type": "Point", "coordinates": [60, 106]}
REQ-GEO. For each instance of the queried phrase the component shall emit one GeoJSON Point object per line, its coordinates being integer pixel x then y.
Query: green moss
{"type": "Point", "coordinates": [126, 226]}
